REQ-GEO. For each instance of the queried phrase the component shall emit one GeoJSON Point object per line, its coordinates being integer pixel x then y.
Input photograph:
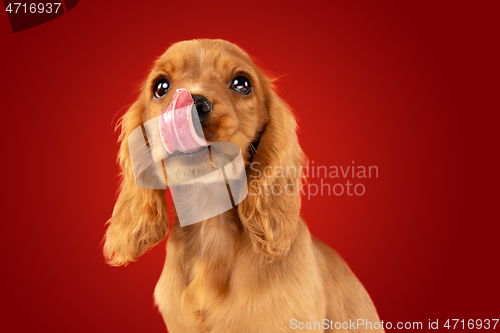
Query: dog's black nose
{"type": "Point", "coordinates": [203, 106]}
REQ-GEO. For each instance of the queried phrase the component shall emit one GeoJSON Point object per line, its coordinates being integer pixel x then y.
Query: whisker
{"type": "Point", "coordinates": [251, 146]}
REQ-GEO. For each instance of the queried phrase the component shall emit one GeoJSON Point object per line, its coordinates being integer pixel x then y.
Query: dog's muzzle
{"type": "Point", "coordinates": [213, 190]}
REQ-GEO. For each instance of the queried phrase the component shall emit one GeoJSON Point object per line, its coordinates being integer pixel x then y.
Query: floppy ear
{"type": "Point", "coordinates": [139, 219]}
{"type": "Point", "coordinates": [270, 212]}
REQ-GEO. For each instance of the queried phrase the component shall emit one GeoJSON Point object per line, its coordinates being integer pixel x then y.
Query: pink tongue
{"type": "Point", "coordinates": [176, 125]}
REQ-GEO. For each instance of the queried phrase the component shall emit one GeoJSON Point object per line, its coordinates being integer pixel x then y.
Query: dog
{"type": "Point", "coordinates": [256, 267]}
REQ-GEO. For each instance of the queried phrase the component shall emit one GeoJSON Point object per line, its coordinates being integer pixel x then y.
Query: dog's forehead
{"type": "Point", "coordinates": [203, 55]}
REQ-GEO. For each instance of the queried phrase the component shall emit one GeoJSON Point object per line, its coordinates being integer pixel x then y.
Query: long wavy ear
{"type": "Point", "coordinates": [139, 219]}
{"type": "Point", "coordinates": [270, 212]}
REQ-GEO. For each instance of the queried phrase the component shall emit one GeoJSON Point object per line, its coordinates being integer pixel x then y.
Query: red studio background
{"type": "Point", "coordinates": [409, 87]}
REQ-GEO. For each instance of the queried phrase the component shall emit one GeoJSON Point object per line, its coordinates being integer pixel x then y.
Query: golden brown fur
{"type": "Point", "coordinates": [253, 268]}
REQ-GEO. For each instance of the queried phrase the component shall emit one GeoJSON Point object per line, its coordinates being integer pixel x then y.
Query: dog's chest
{"type": "Point", "coordinates": [193, 284]}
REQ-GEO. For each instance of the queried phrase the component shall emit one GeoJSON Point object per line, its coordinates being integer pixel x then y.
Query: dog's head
{"type": "Point", "coordinates": [236, 103]}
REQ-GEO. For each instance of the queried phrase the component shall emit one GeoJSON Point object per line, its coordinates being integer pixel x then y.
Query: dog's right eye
{"type": "Point", "coordinates": [241, 84]}
{"type": "Point", "coordinates": [161, 88]}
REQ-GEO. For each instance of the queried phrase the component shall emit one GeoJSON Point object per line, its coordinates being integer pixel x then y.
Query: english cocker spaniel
{"type": "Point", "coordinates": [255, 267]}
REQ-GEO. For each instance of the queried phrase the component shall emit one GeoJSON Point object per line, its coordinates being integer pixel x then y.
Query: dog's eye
{"type": "Point", "coordinates": [241, 84]}
{"type": "Point", "coordinates": [161, 87]}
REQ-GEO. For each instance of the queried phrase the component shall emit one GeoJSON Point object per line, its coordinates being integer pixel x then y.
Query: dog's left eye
{"type": "Point", "coordinates": [160, 88]}
{"type": "Point", "coordinates": [241, 84]}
